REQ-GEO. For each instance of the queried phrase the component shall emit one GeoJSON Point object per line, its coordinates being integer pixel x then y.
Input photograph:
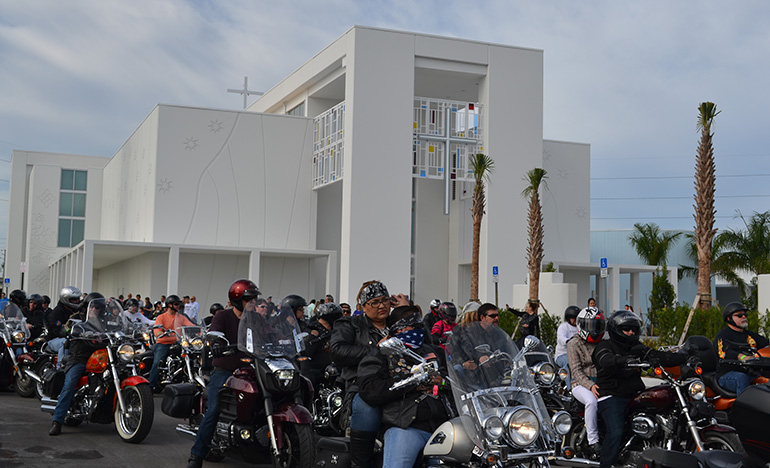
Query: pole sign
{"type": "Point", "coordinates": [23, 267]}
{"type": "Point", "coordinates": [495, 273]}
{"type": "Point", "coordinates": [603, 265]}
{"type": "Point", "coordinates": [7, 280]}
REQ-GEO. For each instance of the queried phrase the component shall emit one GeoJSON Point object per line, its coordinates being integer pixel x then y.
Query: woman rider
{"type": "Point", "coordinates": [353, 338]}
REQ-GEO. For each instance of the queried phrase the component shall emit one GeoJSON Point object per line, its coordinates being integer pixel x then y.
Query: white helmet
{"type": "Point", "coordinates": [591, 324]}
{"type": "Point", "coordinates": [435, 303]}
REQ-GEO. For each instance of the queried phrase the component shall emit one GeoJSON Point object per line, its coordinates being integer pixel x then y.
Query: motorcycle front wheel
{"type": "Point", "coordinates": [24, 384]}
{"type": "Point", "coordinates": [297, 451]}
{"type": "Point", "coordinates": [729, 441]}
{"type": "Point", "coordinates": [135, 423]}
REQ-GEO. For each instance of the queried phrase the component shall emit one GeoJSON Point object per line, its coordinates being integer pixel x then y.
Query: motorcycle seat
{"type": "Point", "coordinates": [719, 459]}
{"type": "Point", "coordinates": [711, 381]}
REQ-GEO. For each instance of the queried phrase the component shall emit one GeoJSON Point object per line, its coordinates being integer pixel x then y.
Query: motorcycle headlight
{"type": "Point", "coordinates": [19, 336]}
{"type": "Point", "coordinates": [126, 352]}
{"type": "Point", "coordinates": [544, 373]}
{"type": "Point", "coordinates": [146, 336]}
{"type": "Point", "coordinates": [562, 422]}
{"type": "Point", "coordinates": [523, 426]}
{"type": "Point", "coordinates": [196, 343]}
{"type": "Point", "coordinates": [285, 376]}
{"type": "Point", "coordinates": [336, 401]}
{"type": "Point", "coordinates": [696, 389]}
{"type": "Point", "coordinates": [563, 374]}
{"type": "Point", "coordinates": [494, 427]}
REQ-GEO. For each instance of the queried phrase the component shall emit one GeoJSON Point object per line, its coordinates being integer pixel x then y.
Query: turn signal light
{"type": "Point", "coordinates": [658, 371]}
{"type": "Point", "coordinates": [699, 370]}
{"type": "Point", "coordinates": [492, 459]}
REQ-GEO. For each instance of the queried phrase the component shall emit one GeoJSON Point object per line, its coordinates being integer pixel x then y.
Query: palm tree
{"type": "Point", "coordinates": [482, 166]}
{"type": "Point", "coordinates": [534, 179]}
{"type": "Point", "coordinates": [719, 263]}
{"type": "Point", "coordinates": [705, 184]}
{"type": "Point", "coordinates": [651, 244]}
{"type": "Point", "coordinates": [748, 250]}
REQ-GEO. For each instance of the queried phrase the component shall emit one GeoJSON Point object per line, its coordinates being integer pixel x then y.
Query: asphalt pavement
{"type": "Point", "coordinates": [24, 441]}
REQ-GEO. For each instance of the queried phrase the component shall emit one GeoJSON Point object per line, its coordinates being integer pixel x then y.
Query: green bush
{"type": "Point", "coordinates": [548, 326]}
{"type": "Point", "coordinates": [670, 323]}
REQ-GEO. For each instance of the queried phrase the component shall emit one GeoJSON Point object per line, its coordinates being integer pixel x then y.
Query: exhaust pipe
{"type": "Point", "coordinates": [34, 376]}
{"type": "Point", "coordinates": [48, 405]}
{"type": "Point", "coordinates": [186, 429]}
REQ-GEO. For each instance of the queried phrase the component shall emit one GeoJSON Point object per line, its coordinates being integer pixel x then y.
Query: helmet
{"type": "Point", "coordinates": [90, 297]}
{"type": "Point", "coordinates": [173, 299]}
{"type": "Point", "coordinates": [294, 302]}
{"type": "Point", "coordinates": [240, 290]}
{"type": "Point", "coordinates": [435, 303]}
{"type": "Point", "coordinates": [131, 303]}
{"type": "Point", "coordinates": [447, 311]}
{"type": "Point", "coordinates": [572, 312]}
{"type": "Point", "coordinates": [46, 300]}
{"type": "Point", "coordinates": [18, 297]}
{"type": "Point", "coordinates": [621, 320]}
{"type": "Point", "coordinates": [36, 299]}
{"type": "Point", "coordinates": [591, 324]}
{"type": "Point", "coordinates": [70, 297]}
{"type": "Point", "coordinates": [216, 307]}
{"type": "Point", "coordinates": [328, 311]}
{"type": "Point", "coordinates": [730, 309]}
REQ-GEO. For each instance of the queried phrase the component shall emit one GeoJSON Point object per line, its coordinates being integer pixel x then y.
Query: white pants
{"type": "Point", "coordinates": [586, 396]}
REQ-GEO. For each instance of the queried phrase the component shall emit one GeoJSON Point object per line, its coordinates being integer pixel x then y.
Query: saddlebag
{"type": "Point", "coordinates": [53, 382]}
{"type": "Point", "coordinates": [178, 400]}
{"type": "Point", "coordinates": [332, 452]}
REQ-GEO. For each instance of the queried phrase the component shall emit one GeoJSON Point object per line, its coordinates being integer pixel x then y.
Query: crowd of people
{"type": "Point", "coordinates": [598, 350]}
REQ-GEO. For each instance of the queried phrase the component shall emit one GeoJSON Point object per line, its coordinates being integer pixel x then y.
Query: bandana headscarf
{"type": "Point", "coordinates": [373, 291]}
{"type": "Point", "coordinates": [412, 338]}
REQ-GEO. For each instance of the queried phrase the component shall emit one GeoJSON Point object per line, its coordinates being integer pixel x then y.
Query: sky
{"type": "Point", "coordinates": [624, 76]}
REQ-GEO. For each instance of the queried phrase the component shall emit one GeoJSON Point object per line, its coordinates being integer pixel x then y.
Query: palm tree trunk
{"type": "Point", "coordinates": [475, 258]}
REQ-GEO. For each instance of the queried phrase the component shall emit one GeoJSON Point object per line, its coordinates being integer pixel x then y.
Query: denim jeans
{"type": "Point", "coordinates": [56, 345]}
{"type": "Point", "coordinates": [364, 417]}
{"type": "Point", "coordinates": [402, 446]}
{"type": "Point", "coordinates": [613, 411]}
{"type": "Point", "coordinates": [735, 381]}
{"type": "Point", "coordinates": [206, 430]}
{"type": "Point", "coordinates": [159, 354]}
{"type": "Point", "coordinates": [68, 391]}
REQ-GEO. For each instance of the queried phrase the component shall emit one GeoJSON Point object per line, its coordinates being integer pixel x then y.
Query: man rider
{"type": "Point", "coordinates": [93, 305]}
{"type": "Point", "coordinates": [35, 315]}
{"type": "Point", "coordinates": [297, 305]}
{"type": "Point", "coordinates": [618, 381]}
{"type": "Point", "coordinates": [167, 320]}
{"type": "Point", "coordinates": [241, 293]}
{"type": "Point", "coordinates": [69, 303]}
{"type": "Point", "coordinates": [432, 316]}
{"type": "Point", "coordinates": [731, 343]}
{"type": "Point", "coordinates": [132, 313]}
{"type": "Point", "coordinates": [317, 342]}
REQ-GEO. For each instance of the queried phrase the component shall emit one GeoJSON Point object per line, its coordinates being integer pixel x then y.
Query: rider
{"type": "Point", "coordinates": [566, 330]}
{"type": "Point", "coordinates": [242, 293]}
{"type": "Point", "coordinates": [618, 380]}
{"type": "Point", "coordinates": [69, 303]}
{"type": "Point", "coordinates": [443, 328]}
{"type": "Point", "coordinates": [168, 320]}
{"type": "Point", "coordinates": [317, 342]}
{"type": "Point", "coordinates": [35, 315]}
{"type": "Point", "coordinates": [297, 305]}
{"type": "Point", "coordinates": [215, 307]}
{"type": "Point", "coordinates": [433, 316]}
{"type": "Point", "coordinates": [92, 307]}
{"type": "Point", "coordinates": [591, 325]}
{"type": "Point", "coordinates": [132, 313]}
{"type": "Point", "coordinates": [731, 343]}
{"type": "Point", "coordinates": [466, 352]}
{"type": "Point", "coordinates": [413, 412]}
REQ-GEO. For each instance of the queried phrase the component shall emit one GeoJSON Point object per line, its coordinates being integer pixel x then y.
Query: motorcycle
{"type": "Point", "coordinates": [16, 360]}
{"type": "Point", "coordinates": [750, 416]}
{"type": "Point", "coordinates": [550, 379]}
{"type": "Point", "coordinates": [328, 404]}
{"type": "Point", "coordinates": [503, 419]}
{"type": "Point", "coordinates": [108, 391]}
{"type": "Point", "coordinates": [263, 406]}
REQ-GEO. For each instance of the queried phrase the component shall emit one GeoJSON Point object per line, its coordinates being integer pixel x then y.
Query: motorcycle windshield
{"type": "Point", "coordinates": [14, 322]}
{"type": "Point", "coordinates": [186, 334]}
{"type": "Point", "coordinates": [102, 316]}
{"type": "Point", "coordinates": [490, 378]}
{"type": "Point", "coordinates": [263, 334]}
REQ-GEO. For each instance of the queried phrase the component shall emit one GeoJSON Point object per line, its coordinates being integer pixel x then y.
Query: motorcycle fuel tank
{"type": "Point", "coordinates": [659, 398]}
{"type": "Point", "coordinates": [450, 443]}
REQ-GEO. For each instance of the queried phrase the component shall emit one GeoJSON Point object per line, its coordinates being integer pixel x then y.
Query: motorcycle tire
{"type": "Point", "coordinates": [39, 369]}
{"type": "Point", "coordinates": [24, 384]}
{"type": "Point", "coordinates": [297, 447]}
{"type": "Point", "coordinates": [729, 441]}
{"type": "Point", "coordinates": [135, 424]}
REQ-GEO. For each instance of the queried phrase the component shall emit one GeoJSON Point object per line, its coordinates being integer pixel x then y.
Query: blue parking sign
{"type": "Point", "coordinates": [494, 270]}
{"type": "Point", "coordinates": [603, 263]}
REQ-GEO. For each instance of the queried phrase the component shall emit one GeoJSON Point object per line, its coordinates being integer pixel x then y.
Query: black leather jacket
{"type": "Point", "coordinates": [353, 338]}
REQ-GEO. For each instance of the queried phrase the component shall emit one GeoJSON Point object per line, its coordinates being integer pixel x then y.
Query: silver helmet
{"type": "Point", "coordinates": [70, 296]}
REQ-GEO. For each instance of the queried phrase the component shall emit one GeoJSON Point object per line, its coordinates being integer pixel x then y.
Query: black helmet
{"type": "Point", "coordinates": [36, 299]}
{"type": "Point", "coordinates": [131, 303]}
{"type": "Point", "coordinates": [328, 311]}
{"type": "Point", "coordinates": [18, 297]}
{"type": "Point", "coordinates": [294, 302]}
{"type": "Point", "coordinates": [730, 309]}
{"type": "Point", "coordinates": [46, 300]}
{"type": "Point", "coordinates": [447, 311]}
{"type": "Point", "coordinates": [624, 320]}
{"type": "Point", "coordinates": [241, 290]}
{"type": "Point", "coordinates": [90, 297]}
{"type": "Point", "coordinates": [216, 307]}
{"type": "Point", "coordinates": [571, 312]}
{"type": "Point", "coordinates": [70, 297]}
{"type": "Point", "coordinates": [173, 299]}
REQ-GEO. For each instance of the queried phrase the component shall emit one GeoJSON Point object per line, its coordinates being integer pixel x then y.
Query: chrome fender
{"type": "Point", "coordinates": [450, 442]}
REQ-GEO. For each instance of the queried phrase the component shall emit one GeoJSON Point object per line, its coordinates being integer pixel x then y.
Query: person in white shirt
{"type": "Point", "coordinates": [191, 313]}
{"type": "Point", "coordinates": [194, 307]}
{"type": "Point", "coordinates": [132, 313]}
{"type": "Point", "coordinates": [566, 330]}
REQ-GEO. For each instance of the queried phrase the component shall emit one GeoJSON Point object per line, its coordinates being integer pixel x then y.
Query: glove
{"type": "Point", "coordinates": [220, 351]}
{"type": "Point", "coordinates": [631, 360]}
{"type": "Point", "coordinates": [639, 351]}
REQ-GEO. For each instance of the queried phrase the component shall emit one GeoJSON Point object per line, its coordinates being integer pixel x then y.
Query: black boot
{"type": "Point", "coordinates": [361, 448]}
{"type": "Point", "coordinates": [194, 462]}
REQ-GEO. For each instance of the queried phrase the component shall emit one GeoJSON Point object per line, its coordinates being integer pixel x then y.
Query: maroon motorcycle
{"type": "Point", "coordinates": [263, 407]}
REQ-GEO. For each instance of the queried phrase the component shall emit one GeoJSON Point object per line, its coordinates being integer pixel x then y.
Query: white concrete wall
{"type": "Point", "coordinates": [208, 276]}
{"type": "Point", "coordinates": [329, 233]}
{"type": "Point", "coordinates": [763, 290]}
{"type": "Point", "coordinates": [281, 276]}
{"type": "Point", "coordinates": [432, 234]}
{"type": "Point", "coordinates": [144, 274]}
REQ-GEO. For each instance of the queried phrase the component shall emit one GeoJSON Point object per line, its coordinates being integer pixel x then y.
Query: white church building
{"type": "Point", "coordinates": [354, 167]}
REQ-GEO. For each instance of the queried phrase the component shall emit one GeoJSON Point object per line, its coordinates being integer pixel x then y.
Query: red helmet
{"type": "Point", "coordinates": [240, 290]}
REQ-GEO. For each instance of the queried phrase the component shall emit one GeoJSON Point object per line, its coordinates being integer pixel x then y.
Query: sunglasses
{"type": "Point", "coordinates": [492, 315]}
{"type": "Point", "coordinates": [740, 315]}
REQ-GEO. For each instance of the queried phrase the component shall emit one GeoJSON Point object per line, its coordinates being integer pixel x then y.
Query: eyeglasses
{"type": "Point", "coordinates": [262, 306]}
{"type": "Point", "coordinates": [493, 315]}
{"type": "Point", "coordinates": [377, 303]}
{"type": "Point", "coordinates": [740, 315]}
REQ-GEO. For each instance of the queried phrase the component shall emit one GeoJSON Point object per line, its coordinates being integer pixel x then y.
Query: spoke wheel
{"type": "Point", "coordinates": [297, 451]}
{"type": "Point", "coordinates": [135, 423]}
{"type": "Point", "coordinates": [24, 384]}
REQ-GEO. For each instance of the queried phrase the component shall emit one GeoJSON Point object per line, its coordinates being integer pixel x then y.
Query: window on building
{"type": "Point", "coordinates": [72, 207]}
{"type": "Point", "coordinates": [298, 110]}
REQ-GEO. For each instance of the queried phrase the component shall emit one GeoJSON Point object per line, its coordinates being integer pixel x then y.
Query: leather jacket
{"type": "Point", "coordinates": [353, 338]}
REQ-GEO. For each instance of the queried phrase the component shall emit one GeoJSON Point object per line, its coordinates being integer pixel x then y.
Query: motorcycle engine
{"type": "Point", "coordinates": [644, 426]}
